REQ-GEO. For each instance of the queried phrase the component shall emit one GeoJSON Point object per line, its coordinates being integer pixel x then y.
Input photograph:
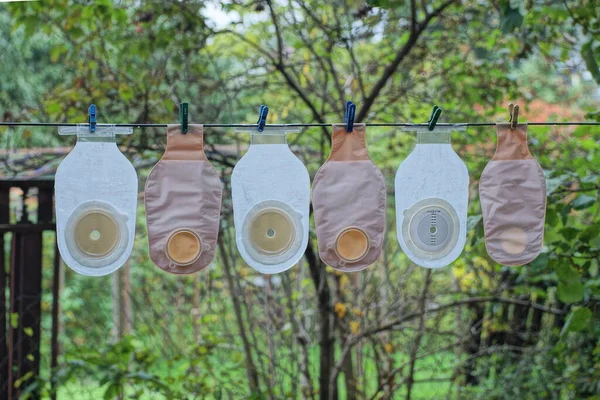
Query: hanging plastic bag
{"type": "Point", "coordinates": [512, 190]}
{"type": "Point", "coordinates": [432, 197]}
{"type": "Point", "coordinates": [270, 188]}
{"type": "Point", "coordinates": [96, 201]}
{"type": "Point", "coordinates": [349, 202]}
{"type": "Point", "coordinates": [183, 204]}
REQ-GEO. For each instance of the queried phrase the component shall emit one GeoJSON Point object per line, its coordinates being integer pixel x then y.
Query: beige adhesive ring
{"type": "Point", "coordinates": [352, 244]}
{"type": "Point", "coordinates": [183, 247]}
{"type": "Point", "coordinates": [272, 231]}
{"type": "Point", "coordinates": [514, 240]}
{"type": "Point", "coordinates": [96, 233]}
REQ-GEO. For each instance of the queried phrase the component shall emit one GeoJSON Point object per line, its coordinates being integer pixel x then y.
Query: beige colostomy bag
{"type": "Point", "coordinates": [96, 201]}
{"type": "Point", "coordinates": [183, 204]}
{"type": "Point", "coordinates": [349, 202]}
{"type": "Point", "coordinates": [512, 190]}
{"type": "Point", "coordinates": [270, 189]}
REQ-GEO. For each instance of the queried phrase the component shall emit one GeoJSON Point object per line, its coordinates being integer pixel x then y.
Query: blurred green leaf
{"type": "Point", "coordinates": [511, 18]}
{"type": "Point", "coordinates": [583, 201]}
{"type": "Point", "coordinates": [570, 292]}
{"type": "Point", "coordinates": [540, 263]}
{"type": "Point", "coordinates": [590, 54]}
{"type": "Point", "coordinates": [577, 320]}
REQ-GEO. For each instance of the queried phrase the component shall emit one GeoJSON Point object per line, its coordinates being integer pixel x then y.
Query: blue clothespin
{"type": "Point", "coordinates": [262, 118]}
{"type": "Point", "coordinates": [183, 117]}
{"type": "Point", "coordinates": [433, 119]}
{"type": "Point", "coordinates": [92, 117]}
{"type": "Point", "coordinates": [349, 116]}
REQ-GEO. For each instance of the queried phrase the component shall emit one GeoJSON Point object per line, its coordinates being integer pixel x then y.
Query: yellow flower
{"type": "Point", "coordinates": [340, 310]}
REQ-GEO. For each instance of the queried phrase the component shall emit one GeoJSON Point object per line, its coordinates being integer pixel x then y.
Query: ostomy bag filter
{"type": "Point", "coordinates": [349, 203]}
{"type": "Point", "coordinates": [271, 199]}
{"type": "Point", "coordinates": [183, 204]}
{"type": "Point", "coordinates": [512, 190]}
{"type": "Point", "coordinates": [432, 197]}
{"type": "Point", "coordinates": [96, 200]}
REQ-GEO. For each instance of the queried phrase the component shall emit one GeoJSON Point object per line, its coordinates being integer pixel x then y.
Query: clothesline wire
{"type": "Point", "coordinates": [390, 124]}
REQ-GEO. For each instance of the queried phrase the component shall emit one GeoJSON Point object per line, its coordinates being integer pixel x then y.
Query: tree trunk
{"type": "Point", "coordinates": [253, 384]}
{"type": "Point", "coordinates": [196, 308]}
{"type": "Point", "coordinates": [126, 313]}
{"type": "Point", "coordinates": [518, 324]}
{"type": "Point", "coordinates": [559, 320]}
{"type": "Point", "coordinates": [473, 345]}
{"type": "Point", "coordinates": [121, 301]}
{"type": "Point", "coordinates": [410, 380]}
{"type": "Point", "coordinates": [116, 315]}
{"type": "Point", "coordinates": [536, 326]}
{"type": "Point", "coordinates": [326, 334]}
{"type": "Point", "coordinates": [347, 364]}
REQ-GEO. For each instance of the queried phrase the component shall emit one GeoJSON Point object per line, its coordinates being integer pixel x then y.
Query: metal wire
{"type": "Point", "coordinates": [546, 123]}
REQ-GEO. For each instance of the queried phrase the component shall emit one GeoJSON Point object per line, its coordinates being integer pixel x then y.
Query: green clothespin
{"type": "Point", "coordinates": [183, 117]}
{"type": "Point", "coordinates": [433, 119]}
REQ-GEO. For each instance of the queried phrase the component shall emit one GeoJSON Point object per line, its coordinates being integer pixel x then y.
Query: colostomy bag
{"type": "Point", "coordinates": [512, 190]}
{"type": "Point", "coordinates": [349, 202]}
{"type": "Point", "coordinates": [183, 204]}
{"type": "Point", "coordinates": [432, 196]}
{"type": "Point", "coordinates": [271, 199]}
{"type": "Point", "coordinates": [96, 200]}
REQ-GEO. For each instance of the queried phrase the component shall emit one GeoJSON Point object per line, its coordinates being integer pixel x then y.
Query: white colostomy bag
{"type": "Point", "coordinates": [96, 191]}
{"type": "Point", "coordinates": [432, 197]}
{"type": "Point", "coordinates": [271, 198]}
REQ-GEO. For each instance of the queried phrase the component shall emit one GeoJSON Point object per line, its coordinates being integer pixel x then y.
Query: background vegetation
{"type": "Point", "coordinates": [474, 330]}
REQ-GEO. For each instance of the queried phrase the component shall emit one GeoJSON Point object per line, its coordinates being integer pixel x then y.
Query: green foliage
{"type": "Point", "coordinates": [129, 368]}
{"type": "Point", "coordinates": [590, 51]}
{"type": "Point", "coordinates": [570, 288]}
{"type": "Point", "coordinates": [577, 320]}
{"type": "Point", "coordinates": [512, 16]}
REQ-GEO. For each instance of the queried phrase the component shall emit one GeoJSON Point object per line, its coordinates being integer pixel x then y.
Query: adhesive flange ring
{"type": "Point", "coordinates": [272, 232]}
{"type": "Point", "coordinates": [514, 240]}
{"type": "Point", "coordinates": [430, 228]}
{"type": "Point", "coordinates": [183, 247]}
{"type": "Point", "coordinates": [352, 245]}
{"type": "Point", "coordinates": [96, 234]}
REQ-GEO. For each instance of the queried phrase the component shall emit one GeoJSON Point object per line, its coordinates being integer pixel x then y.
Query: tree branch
{"type": "Point", "coordinates": [413, 17]}
{"type": "Point", "coordinates": [472, 300]}
{"type": "Point", "coordinates": [393, 66]}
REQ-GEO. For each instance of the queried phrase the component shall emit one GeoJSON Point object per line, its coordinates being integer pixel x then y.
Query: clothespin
{"type": "Point", "coordinates": [349, 116]}
{"type": "Point", "coordinates": [433, 119]}
{"type": "Point", "coordinates": [92, 117]}
{"type": "Point", "coordinates": [262, 118]}
{"type": "Point", "coordinates": [183, 117]}
{"type": "Point", "coordinates": [513, 111]}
